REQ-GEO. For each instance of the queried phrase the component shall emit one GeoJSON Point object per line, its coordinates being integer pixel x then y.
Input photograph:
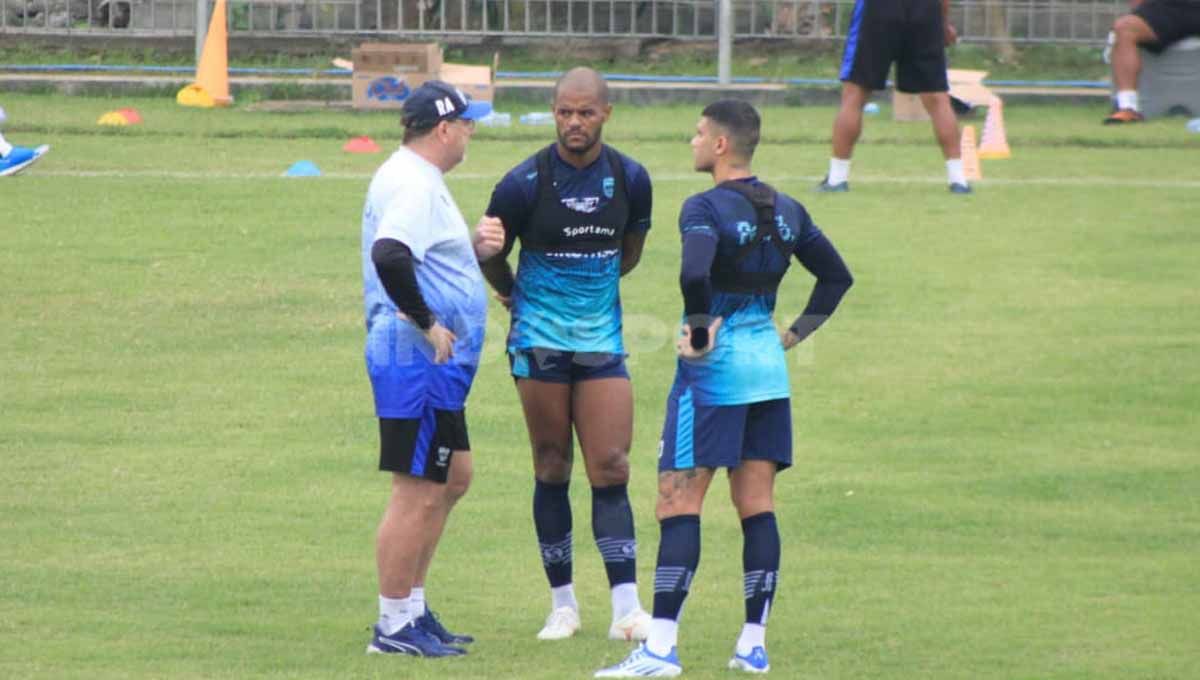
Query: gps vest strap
{"type": "Point", "coordinates": [725, 276]}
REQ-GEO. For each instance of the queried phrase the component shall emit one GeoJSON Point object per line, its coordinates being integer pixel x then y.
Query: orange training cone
{"type": "Point", "coordinates": [361, 145]}
{"type": "Point", "coordinates": [994, 143]}
{"type": "Point", "coordinates": [970, 157]}
{"type": "Point", "coordinates": [212, 74]}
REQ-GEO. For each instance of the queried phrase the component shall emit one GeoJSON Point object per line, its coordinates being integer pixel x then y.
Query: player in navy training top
{"type": "Point", "coordinates": [729, 406]}
{"type": "Point", "coordinates": [581, 211]}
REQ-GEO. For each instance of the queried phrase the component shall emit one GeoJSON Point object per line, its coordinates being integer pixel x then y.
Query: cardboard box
{"type": "Point", "coordinates": [474, 81]}
{"type": "Point", "coordinates": [965, 85]}
{"type": "Point", "coordinates": [385, 73]}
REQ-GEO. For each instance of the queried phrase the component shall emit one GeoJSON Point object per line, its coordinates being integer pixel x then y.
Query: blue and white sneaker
{"type": "Point", "coordinates": [642, 663]}
{"type": "Point", "coordinates": [20, 158]}
{"type": "Point", "coordinates": [412, 641]}
{"type": "Point", "coordinates": [826, 188]}
{"type": "Point", "coordinates": [430, 623]}
{"type": "Point", "coordinates": [958, 188]}
{"type": "Point", "coordinates": [754, 662]}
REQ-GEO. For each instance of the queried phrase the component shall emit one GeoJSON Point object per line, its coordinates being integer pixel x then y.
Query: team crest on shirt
{"type": "Point", "coordinates": [443, 456]}
{"type": "Point", "coordinates": [608, 185]}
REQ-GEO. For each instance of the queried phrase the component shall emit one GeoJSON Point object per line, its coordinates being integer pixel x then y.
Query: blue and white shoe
{"type": "Point", "coordinates": [20, 158]}
{"type": "Point", "coordinates": [754, 662]}
{"type": "Point", "coordinates": [957, 188]}
{"type": "Point", "coordinates": [642, 663]}
{"type": "Point", "coordinates": [430, 623]}
{"type": "Point", "coordinates": [826, 188]}
{"type": "Point", "coordinates": [412, 641]}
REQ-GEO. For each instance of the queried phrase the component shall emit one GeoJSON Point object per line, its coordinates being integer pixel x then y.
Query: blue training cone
{"type": "Point", "coordinates": [303, 169]}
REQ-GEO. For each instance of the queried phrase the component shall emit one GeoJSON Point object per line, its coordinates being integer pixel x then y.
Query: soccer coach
{"type": "Point", "coordinates": [426, 306]}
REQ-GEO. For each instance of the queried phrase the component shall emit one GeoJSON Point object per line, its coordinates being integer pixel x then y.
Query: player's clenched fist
{"type": "Point", "coordinates": [489, 237]}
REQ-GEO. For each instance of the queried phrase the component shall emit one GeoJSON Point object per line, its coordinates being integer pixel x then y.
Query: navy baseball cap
{"type": "Point", "coordinates": [435, 101]}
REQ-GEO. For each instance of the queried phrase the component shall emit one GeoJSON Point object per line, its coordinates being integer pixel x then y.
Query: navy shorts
{"type": "Point", "coordinates": [422, 447]}
{"type": "Point", "coordinates": [724, 436]}
{"type": "Point", "coordinates": [908, 33]}
{"type": "Point", "coordinates": [558, 366]}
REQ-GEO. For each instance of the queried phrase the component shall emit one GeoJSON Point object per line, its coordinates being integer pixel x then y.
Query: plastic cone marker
{"type": "Point", "coordinates": [970, 156]}
{"type": "Point", "coordinates": [212, 74]}
{"type": "Point", "coordinates": [303, 169]}
{"type": "Point", "coordinates": [994, 143]}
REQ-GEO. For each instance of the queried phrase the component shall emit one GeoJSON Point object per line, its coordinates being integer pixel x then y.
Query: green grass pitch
{"type": "Point", "coordinates": [996, 436]}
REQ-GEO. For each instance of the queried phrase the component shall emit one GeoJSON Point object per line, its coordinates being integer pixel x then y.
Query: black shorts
{"type": "Point", "coordinates": [422, 447]}
{"type": "Point", "coordinates": [1171, 21]}
{"type": "Point", "coordinates": [910, 33]}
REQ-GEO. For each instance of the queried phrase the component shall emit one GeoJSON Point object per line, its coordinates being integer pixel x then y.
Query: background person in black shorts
{"type": "Point", "coordinates": [1155, 25]}
{"type": "Point", "coordinates": [913, 34]}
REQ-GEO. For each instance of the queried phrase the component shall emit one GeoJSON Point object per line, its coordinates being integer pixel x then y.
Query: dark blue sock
{"type": "Point", "coordinates": [678, 556]}
{"type": "Point", "coordinates": [552, 520]}
{"type": "Point", "coordinates": [612, 525]}
{"type": "Point", "coordinates": [760, 565]}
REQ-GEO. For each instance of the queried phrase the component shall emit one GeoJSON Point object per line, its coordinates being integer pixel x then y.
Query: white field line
{"type": "Point", "coordinates": [693, 177]}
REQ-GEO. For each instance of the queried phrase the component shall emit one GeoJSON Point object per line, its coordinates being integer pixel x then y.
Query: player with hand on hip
{"type": "Point", "coordinates": [730, 404]}
{"type": "Point", "coordinates": [426, 308]}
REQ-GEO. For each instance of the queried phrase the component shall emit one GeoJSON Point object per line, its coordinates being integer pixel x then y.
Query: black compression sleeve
{"type": "Point", "coordinates": [394, 264]}
{"type": "Point", "coordinates": [694, 280]}
{"type": "Point", "coordinates": [833, 280]}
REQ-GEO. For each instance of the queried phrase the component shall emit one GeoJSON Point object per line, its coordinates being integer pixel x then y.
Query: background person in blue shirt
{"type": "Point", "coordinates": [729, 407]}
{"type": "Point", "coordinates": [581, 211]}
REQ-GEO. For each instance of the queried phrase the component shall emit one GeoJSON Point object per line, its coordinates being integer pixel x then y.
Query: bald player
{"type": "Point", "coordinates": [580, 210]}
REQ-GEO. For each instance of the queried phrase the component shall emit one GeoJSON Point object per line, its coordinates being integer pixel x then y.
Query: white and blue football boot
{"type": "Point", "coordinates": [754, 662]}
{"type": "Point", "coordinates": [642, 663]}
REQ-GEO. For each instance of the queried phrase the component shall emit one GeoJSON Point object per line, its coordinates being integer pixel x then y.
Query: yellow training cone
{"type": "Point", "coordinates": [194, 95]}
{"type": "Point", "coordinates": [113, 118]}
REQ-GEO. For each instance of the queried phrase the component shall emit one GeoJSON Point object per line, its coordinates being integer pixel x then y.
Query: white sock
{"type": "Point", "coordinates": [753, 635]}
{"type": "Point", "coordinates": [393, 614]}
{"type": "Point", "coordinates": [1128, 99]}
{"type": "Point", "coordinates": [416, 602]}
{"type": "Point", "coordinates": [839, 170]}
{"type": "Point", "coordinates": [664, 635]}
{"type": "Point", "coordinates": [563, 596]}
{"type": "Point", "coordinates": [624, 600]}
{"type": "Point", "coordinates": [954, 171]}
{"type": "Point", "coordinates": [5, 147]}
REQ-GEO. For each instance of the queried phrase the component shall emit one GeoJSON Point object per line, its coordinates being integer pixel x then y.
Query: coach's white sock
{"type": "Point", "coordinates": [1128, 99]}
{"type": "Point", "coordinates": [416, 602]}
{"type": "Point", "coordinates": [664, 634]}
{"type": "Point", "coordinates": [753, 635]}
{"type": "Point", "coordinates": [563, 596]}
{"type": "Point", "coordinates": [624, 600]}
{"type": "Point", "coordinates": [393, 614]}
{"type": "Point", "coordinates": [954, 171]}
{"type": "Point", "coordinates": [839, 170]}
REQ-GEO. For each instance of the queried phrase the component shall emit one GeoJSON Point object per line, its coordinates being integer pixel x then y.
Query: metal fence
{"type": "Point", "coordinates": [1018, 21]}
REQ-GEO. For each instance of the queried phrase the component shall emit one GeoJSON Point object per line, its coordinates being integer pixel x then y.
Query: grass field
{"type": "Point", "coordinates": [994, 477]}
